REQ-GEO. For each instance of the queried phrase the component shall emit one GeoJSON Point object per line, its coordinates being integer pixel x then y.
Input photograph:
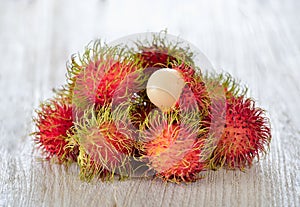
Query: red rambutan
{"type": "Point", "coordinates": [219, 87]}
{"type": "Point", "coordinates": [245, 135]}
{"type": "Point", "coordinates": [93, 77]}
{"type": "Point", "coordinates": [54, 120]}
{"type": "Point", "coordinates": [162, 53]}
{"type": "Point", "coordinates": [98, 82]}
{"type": "Point", "coordinates": [155, 57]}
{"type": "Point", "coordinates": [174, 150]}
{"type": "Point", "coordinates": [195, 92]}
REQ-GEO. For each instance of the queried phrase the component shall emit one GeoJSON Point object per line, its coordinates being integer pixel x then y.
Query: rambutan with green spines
{"type": "Point", "coordinates": [173, 148]}
{"type": "Point", "coordinates": [89, 167]}
{"type": "Point", "coordinates": [159, 52]}
{"type": "Point", "coordinates": [54, 122]}
{"type": "Point", "coordinates": [98, 86]}
{"type": "Point", "coordinates": [106, 146]}
{"type": "Point", "coordinates": [245, 135]}
{"type": "Point", "coordinates": [93, 76]}
{"type": "Point", "coordinates": [93, 53]}
{"type": "Point", "coordinates": [230, 86]}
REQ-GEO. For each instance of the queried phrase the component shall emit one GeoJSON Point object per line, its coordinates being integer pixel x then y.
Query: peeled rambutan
{"type": "Point", "coordinates": [105, 146]}
{"type": "Point", "coordinates": [193, 96]}
{"type": "Point", "coordinates": [173, 150]}
{"type": "Point", "coordinates": [244, 136]}
{"type": "Point", "coordinates": [159, 53]}
{"type": "Point", "coordinates": [54, 120]}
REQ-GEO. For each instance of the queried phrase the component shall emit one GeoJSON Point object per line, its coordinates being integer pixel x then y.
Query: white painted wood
{"type": "Point", "coordinates": [256, 41]}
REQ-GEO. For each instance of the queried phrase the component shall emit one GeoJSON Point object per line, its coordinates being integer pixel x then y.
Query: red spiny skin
{"type": "Point", "coordinates": [97, 83]}
{"type": "Point", "coordinates": [174, 153]}
{"type": "Point", "coordinates": [246, 134]}
{"type": "Point", "coordinates": [160, 57]}
{"type": "Point", "coordinates": [54, 120]}
{"type": "Point", "coordinates": [155, 57]}
{"type": "Point", "coordinates": [195, 91]}
{"type": "Point", "coordinates": [107, 146]}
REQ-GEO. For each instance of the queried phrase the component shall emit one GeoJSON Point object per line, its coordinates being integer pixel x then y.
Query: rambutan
{"type": "Point", "coordinates": [105, 146]}
{"type": "Point", "coordinates": [104, 119]}
{"type": "Point", "coordinates": [219, 88]}
{"type": "Point", "coordinates": [94, 76]}
{"type": "Point", "coordinates": [54, 120]}
{"type": "Point", "coordinates": [155, 57]}
{"type": "Point", "coordinates": [159, 52]}
{"type": "Point", "coordinates": [195, 91]}
{"type": "Point", "coordinates": [244, 136]}
{"type": "Point", "coordinates": [164, 61]}
{"type": "Point", "coordinates": [173, 150]}
{"type": "Point", "coordinates": [97, 84]}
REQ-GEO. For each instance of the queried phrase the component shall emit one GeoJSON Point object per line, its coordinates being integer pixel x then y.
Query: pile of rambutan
{"type": "Point", "coordinates": [103, 119]}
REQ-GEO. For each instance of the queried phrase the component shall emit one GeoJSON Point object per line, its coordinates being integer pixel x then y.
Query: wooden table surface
{"type": "Point", "coordinates": [256, 41]}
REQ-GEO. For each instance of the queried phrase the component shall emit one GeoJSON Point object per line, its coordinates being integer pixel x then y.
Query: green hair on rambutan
{"type": "Point", "coordinates": [159, 51]}
{"type": "Point", "coordinates": [230, 86]}
{"type": "Point", "coordinates": [172, 144]}
{"type": "Point", "coordinates": [106, 145]}
{"type": "Point", "coordinates": [93, 76]}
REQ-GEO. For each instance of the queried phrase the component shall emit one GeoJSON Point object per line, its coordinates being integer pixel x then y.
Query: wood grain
{"type": "Point", "coordinates": [256, 41]}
